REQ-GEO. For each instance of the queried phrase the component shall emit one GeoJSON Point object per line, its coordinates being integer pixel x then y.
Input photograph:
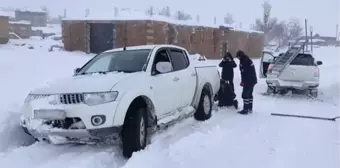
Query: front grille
{"type": "Point", "coordinates": [71, 98]}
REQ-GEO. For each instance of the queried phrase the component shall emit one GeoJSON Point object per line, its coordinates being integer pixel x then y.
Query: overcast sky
{"type": "Point", "coordinates": [323, 15]}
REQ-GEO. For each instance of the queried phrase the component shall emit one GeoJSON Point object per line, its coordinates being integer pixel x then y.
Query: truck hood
{"type": "Point", "coordinates": [82, 83]}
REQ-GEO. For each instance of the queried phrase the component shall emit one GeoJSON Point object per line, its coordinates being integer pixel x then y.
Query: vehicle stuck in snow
{"type": "Point", "coordinates": [293, 70]}
{"type": "Point", "coordinates": [126, 92]}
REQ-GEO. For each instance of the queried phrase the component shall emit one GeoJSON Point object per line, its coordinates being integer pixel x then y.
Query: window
{"type": "Point", "coordinates": [303, 59]}
{"type": "Point", "coordinates": [267, 57]}
{"type": "Point", "coordinates": [179, 59]}
{"type": "Point", "coordinates": [121, 61]}
{"type": "Point", "coordinates": [161, 56]}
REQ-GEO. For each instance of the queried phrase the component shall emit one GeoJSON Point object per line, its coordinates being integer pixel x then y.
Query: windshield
{"type": "Point", "coordinates": [122, 61]}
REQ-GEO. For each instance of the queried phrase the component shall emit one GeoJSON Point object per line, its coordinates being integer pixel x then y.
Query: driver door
{"type": "Point", "coordinates": [165, 86]}
{"type": "Point", "coordinates": [266, 59]}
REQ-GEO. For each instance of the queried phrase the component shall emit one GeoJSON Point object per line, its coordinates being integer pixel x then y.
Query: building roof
{"type": "Point", "coordinates": [7, 13]}
{"type": "Point", "coordinates": [34, 10]}
{"type": "Point", "coordinates": [140, 15]}
{"type": "Point", "coordinates": [20, 22]}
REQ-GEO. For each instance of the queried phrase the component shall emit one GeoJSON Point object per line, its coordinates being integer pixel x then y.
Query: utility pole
{"type": "Point", "coordinates": [306, 31]}
{"type": "Point", "coordinates": [311, 38]}
{"type": "Point", "coordinates": [336, 32]}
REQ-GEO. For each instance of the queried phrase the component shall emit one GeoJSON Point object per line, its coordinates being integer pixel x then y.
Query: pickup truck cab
{"type": "Point", "coordinates": [301, 74]}
{"type": "Point", "coordinates": [126, 93]}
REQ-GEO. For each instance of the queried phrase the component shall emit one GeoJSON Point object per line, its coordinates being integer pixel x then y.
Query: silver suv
{"type": "Point", "coordinates": [302, 73]}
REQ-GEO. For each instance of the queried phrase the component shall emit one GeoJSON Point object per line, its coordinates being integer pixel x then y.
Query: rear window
{"type": "Point", "coordinates": [303, 59]}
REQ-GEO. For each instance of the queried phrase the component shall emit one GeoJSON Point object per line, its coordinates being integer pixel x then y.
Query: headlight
{"type": "Point", "coordinates": [31, 97]}
{"type": "Point", "coordinates": [92, 99]}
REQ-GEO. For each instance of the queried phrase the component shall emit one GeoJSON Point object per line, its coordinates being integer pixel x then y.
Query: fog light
{"type": "Point", "coordinates": [98, 120]}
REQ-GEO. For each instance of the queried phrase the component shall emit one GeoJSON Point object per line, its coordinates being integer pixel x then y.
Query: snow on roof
{"type": "Point", "coordinates": [318, 40]}
{"type": "Point", "coordinates": [50, 28]}
{"type": "Point", "coordinates": [131, 14]}
{"type": "Point", "coordinates": [303, 40]}
{"type": "Point", "coordinates": [7, 13]}
{"type": "Point", "coordinates": [20, 22]}
{"type": "Point", "coordinates": [30, 10]}
{"type": "Point", "coordinates": [143, 47]}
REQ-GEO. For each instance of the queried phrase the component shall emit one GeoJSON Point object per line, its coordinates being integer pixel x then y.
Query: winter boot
{"type": "Point", "coordinates": [235, 104]}
{"type": "Point", "coordinates": [250, 110]}
{"type": "Point", "coordinates": [245, 108]}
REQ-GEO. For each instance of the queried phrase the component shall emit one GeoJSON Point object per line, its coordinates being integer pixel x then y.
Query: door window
{"type": "Point", "coordinates": [161, 56]}
{"type": "Point", "coordinates": [267, 57]}
{"type": "Point", "coordinates": [179, 59]}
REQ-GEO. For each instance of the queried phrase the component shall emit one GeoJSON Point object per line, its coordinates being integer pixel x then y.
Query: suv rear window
{"type": "Point", "coordinates": [303, 59]}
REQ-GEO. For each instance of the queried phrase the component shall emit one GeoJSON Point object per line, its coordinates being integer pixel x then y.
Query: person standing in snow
{"type": "Point", "coordinates": [248, 81]}
{"type": "Point", "coordinates": [228, 64]}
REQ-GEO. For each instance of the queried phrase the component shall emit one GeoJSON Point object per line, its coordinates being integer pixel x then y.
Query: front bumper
{"type": "Point", "coordinates": [43, 129]}
{"type": "Point", "coordinates": [73, 135]}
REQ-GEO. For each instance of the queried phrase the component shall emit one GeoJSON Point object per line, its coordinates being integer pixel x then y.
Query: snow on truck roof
{"type": "Point", "coordinates": [143, 47]}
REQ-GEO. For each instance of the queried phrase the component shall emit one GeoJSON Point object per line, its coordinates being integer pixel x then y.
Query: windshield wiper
{"type": "Point", "coordinates": [126, 71]}
{"type": "Point", "coordinates": [100, 72]}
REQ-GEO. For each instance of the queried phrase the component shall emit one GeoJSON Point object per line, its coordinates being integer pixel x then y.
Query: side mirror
{"type": "Point", "coordinates": [76, 71]}
{"type": "Point", "coordinates": [163, 67]}
{"type": "Point", "coordinates": [318, 62]}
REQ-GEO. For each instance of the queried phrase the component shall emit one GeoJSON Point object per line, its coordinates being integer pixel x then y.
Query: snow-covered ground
{"type": "Point", "coordinates": [226, 140]}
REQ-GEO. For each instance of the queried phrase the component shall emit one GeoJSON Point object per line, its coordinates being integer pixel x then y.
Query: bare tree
{"type": "Point", "coordinates": [165, 11]}
{"type": "Point", "coordinates": [267, 23]}
{"type": "Point", "coordinates": [45, 9]}
{"type": "Point", "coordinates": [294, 28]}
{"type": "Point", "coordinates": [150, 11]}
{"type": "Point", "coordinates": [228, 19]}
{"type": "Point", "coordinates": [180, 15]}
{"type": "Point", "coordinates": [280, 32]}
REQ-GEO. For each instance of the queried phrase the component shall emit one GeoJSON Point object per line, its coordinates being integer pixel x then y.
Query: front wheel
{"type": "Point", "coordinates": [204, 109]}
{"type": "Point", "coordinates": [314, 93]}
{"type": "Point", "coordinates": [271, 90]}
{"type": "Point", "coordinates": [134, 135]}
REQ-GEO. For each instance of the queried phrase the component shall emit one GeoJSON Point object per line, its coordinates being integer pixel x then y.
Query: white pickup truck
{"type": "Point", "coordinates": [127, 93]}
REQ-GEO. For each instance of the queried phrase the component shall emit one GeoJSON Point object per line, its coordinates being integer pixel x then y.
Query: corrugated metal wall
{"type": "Point", "coordinates": [74, 36]}
{"type": "Point", "coordinates": [4, 30]}
{"type": "Point", "coordinates": [196, 39]}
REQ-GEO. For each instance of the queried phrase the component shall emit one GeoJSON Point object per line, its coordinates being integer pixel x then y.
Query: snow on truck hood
{"type": "Point", "coordinates": [82, 83]}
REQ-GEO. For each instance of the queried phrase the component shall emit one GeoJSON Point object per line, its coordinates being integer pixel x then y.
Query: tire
{"type": "Point", "coordinates": [313, 93]}
{"type": "Point", "coordinates": [270, 90]}
{"type": "Point", "coordinates": [134, 134]}
{"type": "Point", "coordinates": [204, 113]}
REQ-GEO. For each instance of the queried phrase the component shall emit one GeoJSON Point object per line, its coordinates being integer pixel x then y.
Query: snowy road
{"type": "Point", "coordinates": [227, 140]}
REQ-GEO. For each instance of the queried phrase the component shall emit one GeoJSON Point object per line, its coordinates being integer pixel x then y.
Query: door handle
{"type": "Point", "coordinates": [193, 74]}
{"type": "Point", "coordinates": [175, 79]}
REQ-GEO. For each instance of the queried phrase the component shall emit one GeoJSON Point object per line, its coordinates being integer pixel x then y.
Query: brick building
{"type": "Point", "coordinates": [21, 28]}
{"type": "Point", "coordinates": [36, 18]}
{"type": "Point", "coordinates": [94, 36]}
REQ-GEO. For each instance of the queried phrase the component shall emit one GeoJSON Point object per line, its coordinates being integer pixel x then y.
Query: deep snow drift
{"type": "Point", "coordinates": [226, 140]}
